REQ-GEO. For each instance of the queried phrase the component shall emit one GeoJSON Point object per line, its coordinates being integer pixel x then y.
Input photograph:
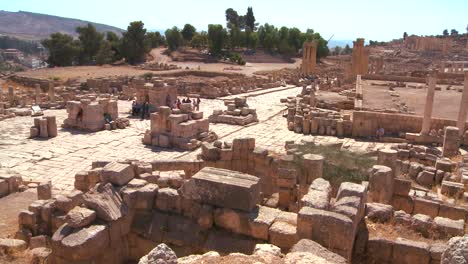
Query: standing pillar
{"type": "Point", "coordinates": [463, 107]}
{"type": "Point", "coordinates": [51, 92]}
{"type": "Point", "coordinates": [38, 93]}
{"type": "Point", "coordinates": [11, 96]}
{"type": "Point", "coordinates": [426, 125]}
{"type": "Point", "coordinates": [1, 94]}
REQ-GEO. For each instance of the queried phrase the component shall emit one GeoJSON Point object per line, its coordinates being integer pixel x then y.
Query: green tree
{"type": "Point", "coordinates": [90, 42]}
{"type": "Point", "coordinates": [116, 44]}
{"type": "Point", "coordinates": [134, 46]}
{"type": "Point", "coordinates": [188, 32]}
{"type": "Point", "coordinates": [217, 37]}
{"type": "Point", "coordinates": [200, 40]}
{"type": "Point", "coordinates": [174, 38]}
{"type": "Point", "coordinates": [337, 50]}
{"type": "Point", "coordinates": [251, 39]}
{"type": "Point", "coordinates": [453, 32]}
{"type": "Point", "coordinates": [154, 39]}
{"type": "Point", "coordinates": [232, 18]}
{"type": "Point", "coordinates": [105, 54]}
{"type": "Point", "coordinates": [63, 50]}
{"type": "Point", "coordinates": [347, 49]}
{"type": "Point", "coordinates": [294, 39]}
{"type": "Point", "coordinates": [268, 37]}
{"type": "Point", "coordinates": [445, 32]}
{"type": "Point", "coordinates": [322, 44]}
{"type": "Point", "coordinates": [250, 19]}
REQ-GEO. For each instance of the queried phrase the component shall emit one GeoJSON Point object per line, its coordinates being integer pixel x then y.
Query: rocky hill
{"type": "Point", "coordinates": [34, 26]}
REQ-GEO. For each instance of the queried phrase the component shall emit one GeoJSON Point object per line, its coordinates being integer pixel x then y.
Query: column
{"type": "Point", "coordinates": [38, 93]}
{"type": "Point", "coordinates": [426, 125]}
{"type": "Point", "coordinates": [1, 94]}
{"type": "Point", "coordinates": [463, 107]}
{"type": "Point", "coordinates": [51, 92]}
{"type": "Point", "coordinates": [11, 96]}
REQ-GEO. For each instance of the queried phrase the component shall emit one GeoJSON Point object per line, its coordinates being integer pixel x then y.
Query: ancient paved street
{"type": "Point", "coordinates": [59, 158]}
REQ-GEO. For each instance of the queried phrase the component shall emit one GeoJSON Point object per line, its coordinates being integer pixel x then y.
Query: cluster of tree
{"type": "Point", "coordinates": [93, 47]}
{"type": "Point", "coordinates": [377, 43]}
{"type": "Point", "coordinates": [242, 31]}
{"type": "Point", "coordinates": [453, 32]}
{"type": "Point", "coordinates": [28, 47]}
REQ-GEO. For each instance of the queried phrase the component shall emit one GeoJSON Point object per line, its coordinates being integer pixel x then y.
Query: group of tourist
{"type": "Point", "coordinates": [195, 103]}
{"type": "Point", "coordinates": [144, 109]}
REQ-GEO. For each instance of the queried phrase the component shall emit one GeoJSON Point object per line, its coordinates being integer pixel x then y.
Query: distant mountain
{"type": "Point", "coordinates": [34, 26]}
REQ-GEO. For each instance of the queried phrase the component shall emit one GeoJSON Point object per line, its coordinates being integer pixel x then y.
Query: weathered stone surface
{"type": "Point", "coordinates": [223, 188]}
{"type": "Point", "coordinates": [105, 200]}
{"type": "Point", "coordinates": [409, 252]}
{"type": "Point", "coordinates": [162, 254]}
{"type": "Point", "coordinates": [426, 206]}
{"type": "Point", "coordinates": [80, 217]}
{"type": "Point", "coordinates": [44, 190]}
{"type": "Point", "coordinates": [456, 253]}
{"type": "Point", "coordinates": [327, 228]}
{"type": "Point", "coordinates": [283, 234]}
{"type": "Point", "coordinates": [448, 227]}
{"type": "Point", "coordinates": [421, 223]}
{"type": "Point", "coordinates": [309, 246]}
{"type": "Point", "coordinates": [117, 173]}
{"type": "Point", "coordinates": [10, 246]}
{"type": "Point", "coordinates": [381, 184]}
{"type": "Point", "coordinates": [83, 244]}
{"type": "Point", "coordinates": [379, 212]}
{"type": "Point", "coordinates": [316, 199]}
{"type": "Point", "coordinates": [402, 218]}
{"type": "Point", "coordinates": [379, 250]}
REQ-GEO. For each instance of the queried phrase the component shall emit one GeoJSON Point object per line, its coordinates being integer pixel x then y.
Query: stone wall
{"type": "Point", "coordinates": [88, 114]}
{"type": "Point", "coordinates": [365, 123]}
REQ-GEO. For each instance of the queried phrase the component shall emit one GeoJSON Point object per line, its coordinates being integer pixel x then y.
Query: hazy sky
{"type": "Point", "coordinates": [345, 19]}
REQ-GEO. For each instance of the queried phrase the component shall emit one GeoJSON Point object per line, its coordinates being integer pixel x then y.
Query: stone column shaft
{"type": "Point", "coordinates": [463, 107]}
{"type": "Point", "coordinates": [426, 125]}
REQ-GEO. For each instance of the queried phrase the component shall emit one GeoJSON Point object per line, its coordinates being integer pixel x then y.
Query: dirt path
{"type": "Point", "coordinates": [10, 206]}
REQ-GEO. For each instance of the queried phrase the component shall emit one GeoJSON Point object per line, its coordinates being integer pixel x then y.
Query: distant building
{"type": "Point", "coordinates": [12, 54]}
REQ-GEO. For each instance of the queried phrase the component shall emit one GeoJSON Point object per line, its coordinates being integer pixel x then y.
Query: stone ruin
{"type": "Point", "coordinates": [304, 117]}
{"type": "Point", "coordinates": [237, 113]}
{"type": "Point", "coordinates": [232, 198]}
{"type": "Point", "coordinates": [309, 54]}
{"type": "Point", "coordinates": [157, 92]}
{"type": "Point", "coordinates": [179, 128]}
{"type": "Point", "coordinates": [45, 127]}
{"type": "Point", "coordinates": [89, 114]}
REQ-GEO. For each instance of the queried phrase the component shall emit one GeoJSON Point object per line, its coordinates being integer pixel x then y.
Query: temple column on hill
{"type": "Point", "coordinates": [309, 57]}
{"type": "Point", "coordinates": [426, 125]}
{"type": "Point", "coordinates": [360, 58]}
{"type": "Point", "coordinates": [463, 107]}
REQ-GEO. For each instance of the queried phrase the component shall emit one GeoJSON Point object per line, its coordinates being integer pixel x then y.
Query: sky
{"type": "Point", "coordinates": [342, 19]}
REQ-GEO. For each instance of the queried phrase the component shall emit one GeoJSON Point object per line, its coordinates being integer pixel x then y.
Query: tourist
{"type": "Point", "coordinates": [380, 133]}
{"type": "Point", "coordinates": [184, 101]}
{"type": "Point", "coordinates": [144, 110]}
{"type": "Point", "coordinates": [174, 105]}
{"type": "Point", "coordinates": [178, 103]}
{"type": "Point", "coordinates": [198, 104]}
{"type": "Point", "coordinates": [107, 118]}
{"type": "Point", "coordinates": [135, 108]}
{"type": "Point", "coordinates": [188, 101]}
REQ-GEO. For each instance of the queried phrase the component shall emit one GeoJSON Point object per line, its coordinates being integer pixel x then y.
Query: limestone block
{"type": "Point", "coordinates": [10, 246]}
{"type": "Point", "coordinates": [43, 128]}
{"type": "Point", "coordinates": [329, 229]}
{"type": "Point", "coordinates": [402, 218]}
{"type": "Point", "coordinates": [44, 190]}
{"type": "Point", "coordinates": [404, 203]}
{"type": "Point", "coordinates": [453, 212]}
{"type": "Point", "coordinates": [316, 199]}
{"type": "Point", "coordinates": [452, 189]}
{"type": "Point", "coordinates": [381, 183]}
{"type": "Point", "coordinates": [426, 206]}
{"type": "Point", "coordinates": [117, 173]}
{"type": "Point", "coordinates": [379, 250]}
{"type": "Point", "coordinates": [105, 200]}
{"type": "Point", "coordinates": [379, 212]}
{"type": "Point", "coordinates": [448, 227]}
{"type": "Point", "coordinates": [313, 167]}
{"type": "Point", "coordinates": [51, 126]}
{"type": "Point", "coordinates": [421, 223]}
{"type": "Point", "coordinates": [168, 200]}
{"type": "Point", "coordinates": [426, 178]}
{"type": "Point", "coordinates": [80, 217]}
{"type": "Point", "coordinates": [407, 251]}
{"type": "Point", "coordinates": [283, 234]}
{"type": "Point", "coordinates": [223, 188]}
{"type": "Point", "coordinates": [84, 244]}
{"type": "Point", "coordinates": [307, 246]}
{"type": "Point", "coordinates": [401, 186]}
{"type": "Point", "coordinates": [387, 157]}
